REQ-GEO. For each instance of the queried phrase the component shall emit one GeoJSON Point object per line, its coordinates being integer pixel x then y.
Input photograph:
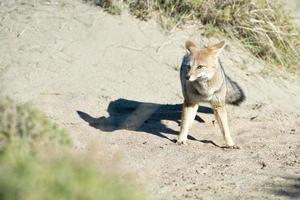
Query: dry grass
{"type": "Point", "coordinates": [264, 27]}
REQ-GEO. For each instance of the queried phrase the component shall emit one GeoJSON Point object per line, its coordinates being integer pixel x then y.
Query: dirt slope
{"type": "Point", "coordinates": [114, 81]}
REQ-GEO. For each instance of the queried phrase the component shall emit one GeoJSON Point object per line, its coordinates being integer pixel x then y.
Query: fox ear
{"type": "Point", "coordinates": [190, 46]}
{"type": "Point", "coordinates": [217, 48]}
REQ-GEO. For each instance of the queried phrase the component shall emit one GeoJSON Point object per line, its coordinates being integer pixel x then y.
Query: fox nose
{"type": "Point", "coordinates": [187, 77]}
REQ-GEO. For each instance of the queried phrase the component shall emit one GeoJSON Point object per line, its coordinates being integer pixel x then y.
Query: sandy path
{"type": "Point", "coordinates": [121, 75]}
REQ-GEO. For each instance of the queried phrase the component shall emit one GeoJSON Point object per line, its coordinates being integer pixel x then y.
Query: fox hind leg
{"type": "Point", "coordinates": [188, 115]}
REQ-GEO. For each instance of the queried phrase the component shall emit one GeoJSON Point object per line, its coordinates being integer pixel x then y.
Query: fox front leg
{"type": "Point", "coordinates": [187, 117]}
{"type": "Point", "coordinates": [221, 116]}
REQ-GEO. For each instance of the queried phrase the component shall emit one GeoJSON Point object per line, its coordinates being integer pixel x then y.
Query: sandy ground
{"type": "Point", "coordinates": [114, 81]}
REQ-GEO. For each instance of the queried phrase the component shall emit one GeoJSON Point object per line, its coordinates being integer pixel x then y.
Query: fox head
{"type": "Point", "coordinates": [203, 62]}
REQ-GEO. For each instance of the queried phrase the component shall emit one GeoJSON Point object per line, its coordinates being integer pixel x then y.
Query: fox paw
{"type": "Point", "coordinates": [181, 142]}
{"type": "Point", "coordinates": [231, 147]}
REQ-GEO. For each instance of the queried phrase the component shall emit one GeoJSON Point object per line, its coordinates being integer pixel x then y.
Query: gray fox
{"type": "Point", "coordinates": [203, 80]}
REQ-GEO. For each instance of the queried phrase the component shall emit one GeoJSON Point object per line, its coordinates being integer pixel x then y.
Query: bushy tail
{"type": "Point", "coordinates": [235, 95]}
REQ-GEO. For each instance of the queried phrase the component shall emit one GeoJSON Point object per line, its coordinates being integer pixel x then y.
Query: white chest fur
{"type": "Point", "coordinates": [205, 90]}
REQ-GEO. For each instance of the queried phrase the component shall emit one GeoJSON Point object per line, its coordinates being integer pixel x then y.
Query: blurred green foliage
{"type": "Point", "coordinates": [36, 162]}
{"type": "Point", "coordinates": [22, 122]}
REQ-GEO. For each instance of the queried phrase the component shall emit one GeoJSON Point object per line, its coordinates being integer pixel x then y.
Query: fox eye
{"type": "Point", "coordinates": [200, 66]}
{"type": "Point", "coordinates": [188, 66]}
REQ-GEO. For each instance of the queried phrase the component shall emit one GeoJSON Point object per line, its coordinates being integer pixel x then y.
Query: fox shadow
{"type": "Point", "coordinates": [141, 117]}
{"type": "Point", "coordinates": [290, 188]}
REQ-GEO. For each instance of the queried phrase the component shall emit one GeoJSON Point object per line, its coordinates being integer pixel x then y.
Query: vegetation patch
{"type": "Point", "coordinates": [28, 176]}
{"type": "Point", "coordinates": [109, 6]}
{"type": "Point", "coordinates": [27, 125]}
{"type": "Point", "coordinates": [264, 27]}
{"type": "Point", "coordinates": [36, 161]}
